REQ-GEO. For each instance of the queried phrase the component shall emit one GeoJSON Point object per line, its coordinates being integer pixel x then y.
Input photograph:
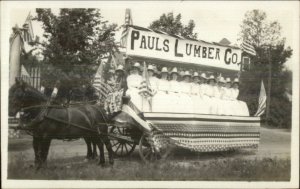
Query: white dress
{"type": "Point", "coordinates": [186, 102]}
{"type": "Point", "coordinates": [160, 101]}
{"type": "Point", "coordinates": [228, 101]}
{"type": "Point", "coordinates": [133, 84]}
{"type": "Point", "coordinates": [241, 108]}
{"type": "Point", "coordinates": [205, 100]}
{"type": "Point", "coordinates": [174, 97]}
{"type": "Point", "coordinates": [211, 92]}
{"type": "Point", "coordinates": [147, 103]}
{"type": "Point", "coordinates": [196, 98]}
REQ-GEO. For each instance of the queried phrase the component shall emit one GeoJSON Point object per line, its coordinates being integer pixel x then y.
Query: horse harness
{"type": "Point", "coordinates": [44, 115]}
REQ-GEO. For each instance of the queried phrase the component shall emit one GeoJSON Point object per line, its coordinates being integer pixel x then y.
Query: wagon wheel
{"type": "Point", "coordinates": [147, 152]}
{"type": "Point", "coordinates": [121, 148]}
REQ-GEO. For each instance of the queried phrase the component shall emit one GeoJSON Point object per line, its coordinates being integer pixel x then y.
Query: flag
{"type": "Point", "coordinates": [248, 47]}
{"type": "Point", "coordinates": [128, 21]}
{"type": "Point", "coordinates": [262, 100]}
{"type": "Point", "coordinates": [28, 30]}
{"type": "Point", "coordinates": [99, 84]}
{"type": "Point", "coordinates": [16, 44]}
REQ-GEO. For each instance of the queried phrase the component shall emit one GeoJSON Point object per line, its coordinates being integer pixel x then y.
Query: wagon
{"type": "Point", "coordinates": [156, 133]}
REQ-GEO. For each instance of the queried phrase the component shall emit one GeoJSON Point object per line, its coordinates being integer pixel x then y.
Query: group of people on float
{"type": "Point", "coordinates": [194, 94]}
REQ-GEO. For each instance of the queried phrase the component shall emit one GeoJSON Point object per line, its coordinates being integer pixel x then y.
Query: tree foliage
{"type": "Point", "coordinates": [263, 35]}
{"type": "Point", "coordinates": [256, 28]}
{"type": "Point", "coordinates": [76, 40]}
{"type": "Point", "coordinates": [173, 25]}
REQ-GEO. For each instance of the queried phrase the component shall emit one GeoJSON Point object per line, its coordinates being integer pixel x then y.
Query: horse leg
{"type": "Point", "coordinates": [45, 145]}
{"type": "Point", "coordinates": [88, 142]}
{"type": "Point", "coordinates": [109, 148]}
{"type": "Point", "coordinates": [35, 143]}
{"type": "Point", "coordinates": [101, 150]}
{"type": "Point", "coordinates": [94, 155]}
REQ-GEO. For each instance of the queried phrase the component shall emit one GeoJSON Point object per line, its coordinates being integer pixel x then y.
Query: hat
{"type": "Point", "coordinates": [203, 75]}
{"type": "Point", "coordinates": [195, 74]}
{"type": "Point", "coordinates": [174, 70]}
{"type": "Point", "coordinates": [150, 67]}
{"type": "Point", "coordinates": [137, 65]}
{"type": "Point", "coordinates": [120, 68]}
{"type": "Point", "coordinates": [236, 80]}
{"type": "Point", "coordinates": [228, 80]}
{"type": "Point", "coordinates": [111, 71]}
{"type": "Point", "coordinates": [187, 73]}
{"type": "Point", "coordinates": [212, 77]}
{"type": "Point", "coordinates": [221, 80]}
{"type": "Point", "coordinates": [164, 70]}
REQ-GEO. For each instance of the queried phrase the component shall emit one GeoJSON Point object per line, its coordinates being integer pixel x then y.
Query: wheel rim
{"type": "Point", "coordinates": [148, 154]}
{"type": "Point", "coordinates": [121, 148]}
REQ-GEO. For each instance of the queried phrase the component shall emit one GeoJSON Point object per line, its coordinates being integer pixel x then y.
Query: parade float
{"type": "Point", "coordinates": [158, 132]}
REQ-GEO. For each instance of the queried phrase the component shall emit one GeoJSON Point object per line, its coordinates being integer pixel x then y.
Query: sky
{"type": "Point", "coordinates": [214, 20]}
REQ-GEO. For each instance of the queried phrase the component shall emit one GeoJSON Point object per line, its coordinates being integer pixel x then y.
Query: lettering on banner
{"type": "Point", "coordinates": [147, 43]}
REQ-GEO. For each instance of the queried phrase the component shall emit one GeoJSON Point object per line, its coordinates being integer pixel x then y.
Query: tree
{"type": "Point", "coordinates": [76, 37]}
{"type": "Point", "coordinates": [258, 30]}
{"type": "Point", "coordinates": [262, 34]}
{"type": "Point", "coordinates": [76, 42]}
{"type": "Point", "coordinates": [173, 25]}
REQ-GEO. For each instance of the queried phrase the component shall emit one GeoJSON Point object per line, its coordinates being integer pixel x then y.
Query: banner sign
{"type": "Point", "coordinates": [165, 47]}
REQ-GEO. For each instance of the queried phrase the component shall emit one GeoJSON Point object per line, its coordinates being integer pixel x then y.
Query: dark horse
{"type": "Point", "coordinates": [57, 122]}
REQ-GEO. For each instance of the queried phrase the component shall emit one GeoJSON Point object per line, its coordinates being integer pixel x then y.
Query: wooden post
{"type": "Point", "coordinates": [269, 85]}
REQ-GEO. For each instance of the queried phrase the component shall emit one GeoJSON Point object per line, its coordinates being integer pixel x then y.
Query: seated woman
{"type": "Point", "coordinates": [147, 103]}
{"type": "Point", "coordinates": [210, 93]}
{"type": "Point", "coordinates": [195, 93]}
{"type": "Point", "coordinates": [186, 102]}
{"type": "Point", "coordinates": [133, 83]}
{"type": "Point", "coordinates": [227, 99]}
{"type": "Point", "coordinates": [175, 100]}
{"type": "Point", "coordinates": [218, 95]}
{"type": "Point", "coordinates": [160, 99]}
{"type": "Point", "coordinates": [240, 107]}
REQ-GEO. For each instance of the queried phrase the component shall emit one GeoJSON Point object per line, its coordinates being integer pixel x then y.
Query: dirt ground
{"type": "Point", "coordinates": [274, 143]}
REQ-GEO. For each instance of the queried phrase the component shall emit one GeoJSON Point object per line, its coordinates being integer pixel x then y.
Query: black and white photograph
{"type": "Point", "coordinates": [150, 94]}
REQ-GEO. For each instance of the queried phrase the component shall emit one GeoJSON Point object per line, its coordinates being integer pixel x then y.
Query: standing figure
{"type": "Point", "coordinates": [160, 101]}
{"type": "Point", "coordinates": [185, 94]}
{"type": "Point", "coordinates": [120, 79]}
{"type": "Point", "coordinates": [174, 96]}
{"type": "Point", "coordinates": [226, 97]}
{"type": "Point", "coordinates": [241, 108]}
{"type": "Point", "coordinates": [133, 83]}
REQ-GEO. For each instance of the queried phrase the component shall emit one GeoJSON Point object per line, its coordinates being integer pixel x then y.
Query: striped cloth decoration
{"type": "Point", "coordinates": [248, 47]}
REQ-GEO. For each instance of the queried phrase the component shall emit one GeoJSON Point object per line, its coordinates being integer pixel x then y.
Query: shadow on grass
{"type": "Point", "coordinates": [235, 169]}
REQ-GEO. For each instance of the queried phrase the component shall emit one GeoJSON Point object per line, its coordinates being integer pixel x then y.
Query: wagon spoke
{"type": "Point", "coordinates": [126, 148]}
{"type": "Point", "coordinates": [118, 147]}
{"type": "Point", "coordinates": [115, 144]}
{"type": "Point", "coordinates": [122, 149]}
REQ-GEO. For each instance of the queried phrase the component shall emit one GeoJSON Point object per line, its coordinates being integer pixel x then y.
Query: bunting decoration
{"type": "Point", "coordinates": [248, 47]}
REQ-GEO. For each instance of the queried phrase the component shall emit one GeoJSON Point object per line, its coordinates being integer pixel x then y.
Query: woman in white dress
{"type": "Point", "coordinates": [241, 107]}
{"type": "Point", "coordinates": [148, 102]}
{"type": "Point", "coordinates": [210, 93]}
{"type": "Point", "coordinates": [160, 101]}
{"type": "Point", "coordinates": [218, 95]}
{"type": "Point", "coordinates": [175, 99]}
{"type": "Point", "coordinates": [185, 94]}
{"type": "Point", "coordinates": [133, 83]}
{"type": "Point", "coordinates": [227, 99]}
{"type": "Point", "coordinates": [195, 93]}
{"type": "Point", "coordinates": [204, 98]}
